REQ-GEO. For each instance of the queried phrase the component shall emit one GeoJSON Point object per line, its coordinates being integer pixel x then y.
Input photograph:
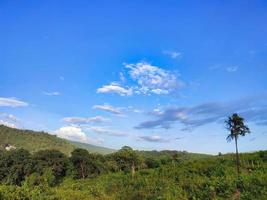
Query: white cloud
{"type": "Point", "coordinates": [9, 120]}
{"type": "Point", "coordinates": [71, 133]}
{"type": "Point", "coordinates": [153, 79]}
{"type": "Point", "coordinates": [76, 134]}
{"type": "Point", "coordinates": [173, 54]}
{"type": "Point", "coordinates": [82, 120]}
{"type": "Point", "coordinates": [232, 69]}
{"type": "Point", "coordinates": [12, 102]}
{"type": "Point", "coordinates": [9, 124]}
{"type": "Point", "coordinates": [108, 108]}
{"type": "Point", "coordinates": [115, 88]}
{"type": "Point", "coordinates": [146, 79]}
{"type": "Point", "coordinates": [51, 93]}
{"type": "Point", "coordinates": [62, 78]}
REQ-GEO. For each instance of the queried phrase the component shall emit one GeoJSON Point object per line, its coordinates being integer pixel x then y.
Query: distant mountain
{"type": "Point", "coordinates": [178, 155]}
{"type": "Point", "coordinates": [34, 141]}
{"type": "Point", "coordinates": [92, 148]}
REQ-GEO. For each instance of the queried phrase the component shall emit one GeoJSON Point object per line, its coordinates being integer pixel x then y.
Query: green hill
{"type": "Point", "coordinates": [34, 141]}
{"type": "Point", "coordinates": [166, 155]}
{"type": "Point", "coordinates": [92, 148]}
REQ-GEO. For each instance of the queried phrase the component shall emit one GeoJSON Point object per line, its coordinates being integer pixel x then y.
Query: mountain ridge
{"type": "Point", "coordinates": [34, 141]}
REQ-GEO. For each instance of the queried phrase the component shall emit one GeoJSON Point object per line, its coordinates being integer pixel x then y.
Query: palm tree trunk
{"type": "Point", "coordinates": [82, 170]}
{"type": "Point", "coordinates": [237, 157]}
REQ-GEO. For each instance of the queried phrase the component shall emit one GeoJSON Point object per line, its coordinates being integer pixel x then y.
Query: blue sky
{"type": "Point", "coordinates": [148, 74]}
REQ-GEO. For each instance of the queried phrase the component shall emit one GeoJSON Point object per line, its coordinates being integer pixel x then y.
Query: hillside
{"type": "Point", "coordinates": [34, 141]}
{"type": "Point", "coordinates": [92, 148]}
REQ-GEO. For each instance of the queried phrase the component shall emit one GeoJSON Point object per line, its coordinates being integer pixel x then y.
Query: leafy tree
{"type": "Point", "coordinates": [53, 159]}
{"type": "Point", "coordinates": [18, 164]}
{"type": "Point", "coordinates": [96, 164]}
{"type": "Point", "coordinates": [80, 160]}
{"type": "Point", "coordinates": [235, 124]}
{"type": "Point", "coordinates": [47, 179]}
{"type": "Point", "coordinates": [127, 159]}
{"type": "Point", "coordinates": [151, 162]}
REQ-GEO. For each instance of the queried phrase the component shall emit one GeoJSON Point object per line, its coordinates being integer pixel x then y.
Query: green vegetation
{"type": "Point", "coordinates": [128, 174]}
{"type": "Point", "coordinates": [35, 141]}
{"type": "Point", "coordinates": [61, 171]}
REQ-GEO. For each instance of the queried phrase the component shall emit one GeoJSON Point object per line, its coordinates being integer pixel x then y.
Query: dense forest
{"type": "Point", "coordinates": [129, 174]}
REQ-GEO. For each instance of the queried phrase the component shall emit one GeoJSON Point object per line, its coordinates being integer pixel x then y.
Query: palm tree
{"type": "Point", "coordinates": [235, 124]}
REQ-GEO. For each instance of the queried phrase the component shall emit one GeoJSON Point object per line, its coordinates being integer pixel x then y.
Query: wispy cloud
{"type": "Point", "coordinates": [253, 109]}
{"type": "Point", "coordinates": [52, 93]}
{"type": "Point", "coordinates": [233, 68]}
{"type": "Point", "coordinates": [109, 109]}
{"type": "Point", "coordinates": [12, 102]}
{"type": "Point", "coordinates": [105, 131]}
{"type": "Point", "coordinates": [122, 77]}
{"type": "Point", "coordinates": [84, 120]}
{"type": "Point", "coordinates": [9, 117]}
{"type": "Point", "coordinates": [153, 138]}
{"type": "Point", "coordinates": [173, 54]}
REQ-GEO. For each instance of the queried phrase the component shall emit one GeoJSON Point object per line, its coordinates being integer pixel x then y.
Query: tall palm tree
{"type": "Point", "coordinates": [235, 124]}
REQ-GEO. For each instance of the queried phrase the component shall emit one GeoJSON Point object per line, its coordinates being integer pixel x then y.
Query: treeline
{"type": "Point", "coordinates": [17, 165]}
{"type": "Point", "coordinates": [131, 175]}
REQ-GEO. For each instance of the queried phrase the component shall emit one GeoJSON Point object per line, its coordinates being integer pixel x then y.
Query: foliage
{"type": "Point", "coordinates": [35, 141]}
{"type": "Point", "coordinates": [108, 177]}
{"type": "Point", "coordinates": [129, 174]}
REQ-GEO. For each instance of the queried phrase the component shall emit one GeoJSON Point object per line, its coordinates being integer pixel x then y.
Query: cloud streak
{"type": "Point", "coordinates": [108, 108]}
{"type": "Point", "coordinates": [229, 69]}
{"type": "Point", "coordinates": [253, 109]}
{"type": "Point", "coordinates": [12, 102]}
{"type": "Point", "coordinates": [84, 120]}
{"type": "Point", "coordinates": [105, 131]}
{"type": "Point", "coordinates": [51, 93]}
{"type": "Point", "coordinates": [153, 138]}
{"type": "Point", "coordinates": [173, 54]}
